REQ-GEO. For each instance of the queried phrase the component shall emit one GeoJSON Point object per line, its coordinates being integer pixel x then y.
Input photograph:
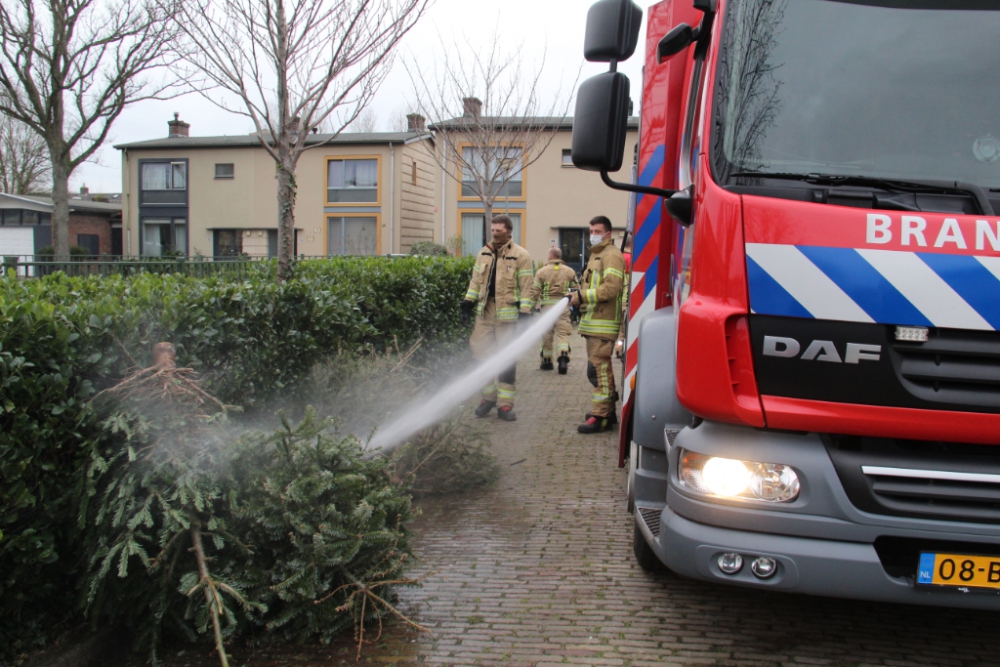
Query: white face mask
{"type": "Point", "coordinates": [596, 238]}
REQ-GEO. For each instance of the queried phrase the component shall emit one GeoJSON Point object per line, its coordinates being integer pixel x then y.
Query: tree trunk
{"type": "Point", "coordinates": [60, 214]}
{"type": "Point", "coordinates": [488, 217]}
{"type": "Point", "coordinates": [286, 220]}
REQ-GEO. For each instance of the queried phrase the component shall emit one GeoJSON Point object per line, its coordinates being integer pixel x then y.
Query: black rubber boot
{"type": "Point", "coordinates": [563, 363]}
{"type": "Point", "coordinates": [484, 408]}
{"type": "Point", "coordinates": [506, 413]}
{"type": "Point", "coordinates": [546, 364]}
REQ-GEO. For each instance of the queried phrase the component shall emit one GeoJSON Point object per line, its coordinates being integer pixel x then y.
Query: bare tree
{"type": "Point", "coordinates": [486, 143]}
{"type": "Point", "coordinates": [24, 160]}
{"type": "Point", "coordinates": [367, 121]}
{"type": "Point", "coordinates": [289, 65]}
{"type": "Point", "coordinates": [68, 68]}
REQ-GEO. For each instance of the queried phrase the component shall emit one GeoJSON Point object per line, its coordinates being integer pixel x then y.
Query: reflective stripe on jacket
{"type": "Point", "coordinates": [552, 282]}
{"type": "Point", "coordinates": [515, 274]}
{"type": "Point", "coordinates": [602, 292]}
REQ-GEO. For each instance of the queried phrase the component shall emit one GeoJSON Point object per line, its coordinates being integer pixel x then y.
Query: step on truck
{"type": "Point", "coordinates": [812, 368]}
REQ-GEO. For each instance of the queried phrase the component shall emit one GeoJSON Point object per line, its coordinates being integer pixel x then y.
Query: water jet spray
{"type": "Point", "coordinates": [421, 414]}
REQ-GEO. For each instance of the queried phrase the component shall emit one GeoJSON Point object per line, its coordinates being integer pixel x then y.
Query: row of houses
{"type": "Point", "coordinates": [358, 194]}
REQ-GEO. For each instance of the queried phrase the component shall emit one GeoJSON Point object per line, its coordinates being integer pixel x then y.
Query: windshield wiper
{"type": "Point", "coordinates": [914, 186]}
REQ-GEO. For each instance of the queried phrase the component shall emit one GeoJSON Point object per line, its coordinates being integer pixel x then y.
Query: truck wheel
{"type": "Point", "coordinates": [644, 554]}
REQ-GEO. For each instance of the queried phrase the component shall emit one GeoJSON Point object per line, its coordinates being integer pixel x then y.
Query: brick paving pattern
{"type": "Point", "coordinates": [539, 571]}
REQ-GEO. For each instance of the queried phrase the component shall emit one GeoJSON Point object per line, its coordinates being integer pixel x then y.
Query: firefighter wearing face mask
{"type": "Point", "coordinates": [602, 290]}
{"type": "Point", "coordinates": [499, 295]}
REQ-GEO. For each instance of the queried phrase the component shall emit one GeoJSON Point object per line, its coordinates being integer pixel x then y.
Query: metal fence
{"type": "Point", "coordinates": [36, 266]}
{"type": "Point", "coordinates": [238, 268]}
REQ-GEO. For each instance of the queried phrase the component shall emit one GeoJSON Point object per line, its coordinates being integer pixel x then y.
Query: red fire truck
{"type": "Point", "coordinates": [812, 376]}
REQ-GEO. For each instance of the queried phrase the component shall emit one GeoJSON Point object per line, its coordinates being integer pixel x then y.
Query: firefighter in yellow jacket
{"type": "Point", "coordinates": [600, 299]}
{"type": "Point", "coordinates": [500, 293]}
{"type": "Point", "coordinates": [552, 283]}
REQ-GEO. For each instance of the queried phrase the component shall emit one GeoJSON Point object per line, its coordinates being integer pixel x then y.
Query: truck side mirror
{"type": "Point", "coordinates": [612, 30]}
{"type": "Point", "coordinates": [675, 41]}
{"type": "Point", "coordinates": [600, 122]}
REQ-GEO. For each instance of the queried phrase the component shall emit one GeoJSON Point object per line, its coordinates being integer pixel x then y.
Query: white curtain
{"type": "Point", "coordinates": [360, 236]}
{"type": "Point", "coordinates": [180, 176]}
{"type": "Point", "coordinates": [472, 233]}
{"type": "Point", "coordinates": [365, 173]}
{"type": "Point", "coordinates": [155, 176]}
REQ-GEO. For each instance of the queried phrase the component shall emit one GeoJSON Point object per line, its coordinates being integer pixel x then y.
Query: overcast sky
{"type": "Point", "coordinates": [553, 28]}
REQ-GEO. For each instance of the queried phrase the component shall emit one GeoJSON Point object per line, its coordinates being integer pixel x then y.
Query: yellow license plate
{"type": "Point", "coordinates": [958, 570]}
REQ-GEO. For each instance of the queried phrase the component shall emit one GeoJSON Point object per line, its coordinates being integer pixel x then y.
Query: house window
{"type": "Point", "coordinates": [475, 232]}
{"type": "Point", "coordinates": [227, 242]}
{"type": "Point", "coordinates": [163, 182]}
{"type": "Point", "coordinates": [225, 170]}
{"type": "Point", "coordinates": [414, 172]}
{"type": "Point", "coordinates": [352, 235]}
{"type": "Point", "coordinates": [164, 237]}
{"type": "Point", "coordinates": [272, 243]}
{"type": "Point", "coordinates": [92, 242]}
{"type": "Point", "coordinates": [30, 217]}
{"type": "Point", "coordinates": [567, 157]}
{"type": "Point", "coordinates": [503, 164]}
{"type": "Point", "coordinates": [12, 216]}
{"type": "Point", "coordinates": [351, 181]}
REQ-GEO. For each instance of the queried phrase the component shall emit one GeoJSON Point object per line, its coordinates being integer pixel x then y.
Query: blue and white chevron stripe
{"type": "Point", "coordinates": [884, 286]}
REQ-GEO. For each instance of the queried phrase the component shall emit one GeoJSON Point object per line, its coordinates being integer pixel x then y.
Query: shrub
{"type": "Point", "coordinates": [63, 339]}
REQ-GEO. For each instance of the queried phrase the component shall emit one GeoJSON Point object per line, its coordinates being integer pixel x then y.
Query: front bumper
{"type": "Point", "coordinates": [810, 566]}
{"type": "Point", "coordinates": [822, 543]}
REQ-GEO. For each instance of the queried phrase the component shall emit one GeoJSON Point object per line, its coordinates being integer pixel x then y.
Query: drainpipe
{"type": "Point", "coordinates": [444, 188]}
{"type": "Point", "coordinates": [392, 198]}
{"type": "Point", "coordinates": [126, 196]}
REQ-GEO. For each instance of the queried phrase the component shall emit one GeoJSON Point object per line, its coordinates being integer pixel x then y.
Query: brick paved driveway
{"type": "Point", "coordinates": [540, 570]}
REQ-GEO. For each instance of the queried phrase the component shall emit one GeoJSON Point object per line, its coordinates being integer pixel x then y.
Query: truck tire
{"type": "Point", "coordinates": [644, 554]}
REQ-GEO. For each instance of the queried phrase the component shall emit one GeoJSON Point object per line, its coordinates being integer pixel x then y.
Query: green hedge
{"type": "Point", "coordinates": [62, 339]}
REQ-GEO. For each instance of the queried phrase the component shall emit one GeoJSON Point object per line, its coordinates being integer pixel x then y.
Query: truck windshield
{"type": "Point", "coordinates": [891, 89]}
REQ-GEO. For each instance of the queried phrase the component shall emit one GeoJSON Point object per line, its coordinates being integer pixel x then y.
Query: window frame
{"type": "Point", "coordinates": [231, 176]}
{"type": "Point", "coordinates": [524, 174]}
{"type": "Point", "coordinates": [567, 152]}
{"type": "Point", "coordinates": [496, 211]}
{"type": "Point", "coordinates": [173, 234]}
{"type": "Point", "coordinates": [326, 182]}
{"type": "Point", "coordinates": [326, 232]}
{"type": "Point", "coordinates": [169, 161]}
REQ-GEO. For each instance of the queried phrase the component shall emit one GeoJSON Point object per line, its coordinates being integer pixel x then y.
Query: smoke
{"type": "Point", "coordinates": [427, 411]}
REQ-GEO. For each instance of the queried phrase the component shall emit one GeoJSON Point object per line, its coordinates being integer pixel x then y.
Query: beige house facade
{"type": "Point", "coordinates": [551, 202]}
{"type": "Point", "coordinates": [358, 194]}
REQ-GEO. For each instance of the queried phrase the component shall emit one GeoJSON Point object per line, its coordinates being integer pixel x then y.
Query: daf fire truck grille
{"type": "Point", "coordinates": [946, 481]}
{"type": "Point", "coordinates": [958, 368]}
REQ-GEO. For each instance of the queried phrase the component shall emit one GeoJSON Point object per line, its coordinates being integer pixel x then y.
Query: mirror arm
{"type": "Point", "coordinates": [632, 187]}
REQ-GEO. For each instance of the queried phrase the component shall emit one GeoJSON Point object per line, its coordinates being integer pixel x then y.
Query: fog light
{"type": "Point", "coordinates": [773, 482]}
{"type": "Point", "coordinates": [764, 568]}
{"type": "Point", "coordinates": [730, 563]}
{"type": "Point", "coordinates": [913, 334]}
{"type": "Point", "coordinates": [725, 477]}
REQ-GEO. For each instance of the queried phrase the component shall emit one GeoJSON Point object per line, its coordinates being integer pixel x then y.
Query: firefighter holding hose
{"type": "Point", "coordinates": [500, 294]}
{"type": "Point", "coordinates": [553, 282]}
{"type": "Point", "coordinates": [600, 300]}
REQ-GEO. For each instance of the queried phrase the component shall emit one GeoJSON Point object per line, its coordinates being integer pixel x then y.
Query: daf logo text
{"type": "Point", "coordinates": [820, 350]}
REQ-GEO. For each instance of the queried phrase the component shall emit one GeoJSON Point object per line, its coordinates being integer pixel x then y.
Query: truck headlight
{"type": "Point", "coordinates": [731, 478]}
